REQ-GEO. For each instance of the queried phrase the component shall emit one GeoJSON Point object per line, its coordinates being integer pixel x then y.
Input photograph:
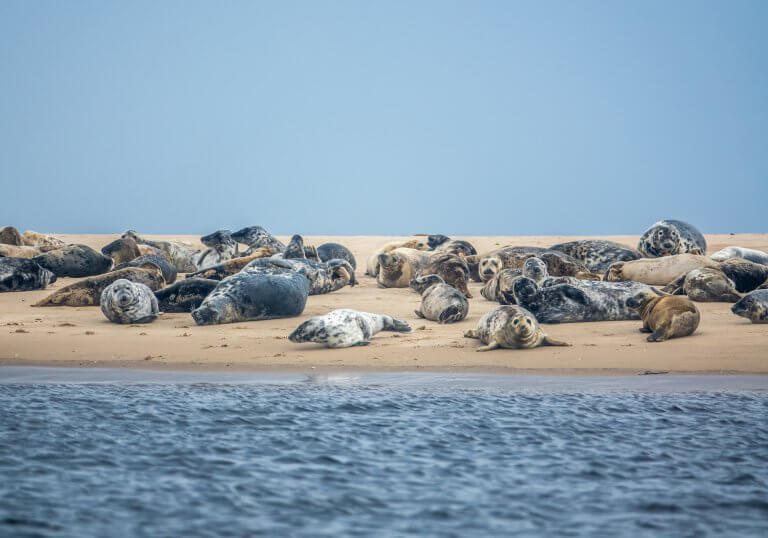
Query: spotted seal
{"type": "Point", "coordinates": [296, 249]}
{"type": "Point", "coordinates": [121, 250]}
{"type": "Point", "coordinates": [510, 327]}
{"type": "Point", "coordinates": [124, 301]}
{"type": "Point", "coordinates": [346, 328]}
{"type": "Point", "coordinates": [500, 288]}
{"type": "Point", "coordinates": [451, 268]}
{"type": "Point", "coordinates": [74, 261]}
{"type": "Point", "coordinates": [222, 270]}
{"type": "Point", "coordinates": [372, 265]}
{"type": "Point", "coordinates": [399, 266]}
{"type": "Point", "coordinates": [257, 237]}
{"type": "Point", "coordinates": [87, 292]}
{"type": "Point", "coordinates": [455, 246]}
{"type": "Point", "coordinates": [597, 254]}
{"type": "Point", "coordinates": [750, 254]}
{"type": "Point", "coordinates": [567, 300]}
{"type": "Point", "coordinates": [10, 236]}
{"type": "Point", "coordinates": [746, 275]}
{"type": "Point", "coordinates": [221, 247]}
{"type": "Point", "coordinates": [705, 285]}
{"type": "Point", "coordinates": [167, 268]}
{"type": "Point", "coordinates": [658, 271]}
{"type": "Point", "coordinates": [669, 237]}
{"type": "Point", "coordinates": [13, 251]}
{"type": "Point", "coordinates": [185, 295]}
{"type": "Point", "coordinates": [19, 274]}
{"type": "Point", "coordinates": [331, 251]}
{"type": "Point", "coordinates": [558, 263]}
{"type": "Point", "coordinates": [440, 302]}
{"type": "Point", "coordinates": [323, 277]}
{"type": "Point", "coordinates": [667, 316]}
{"type": "Point", "coordinates": [753, 306]}
{"type": "Point", "coordinates": [179, 253]}
{"type": "Point", "coordinates": [252, 296]}
{"type": "Point", "coordinates": [42, 241]}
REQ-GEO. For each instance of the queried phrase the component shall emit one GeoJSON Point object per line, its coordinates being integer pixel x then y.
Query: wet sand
{"type": "Point", "coordinates": [66, 336]}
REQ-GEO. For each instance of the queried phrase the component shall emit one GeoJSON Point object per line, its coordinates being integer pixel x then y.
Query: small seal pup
{"type": "Point", "coordinates": [178, 252]}
{"type": "Point", "coordinates": [330, 251]}
{"type": "Point", "coordinates": [597, 254]}
{"type": "Point", "coordinates": [510, 327]}
{"type": "Point", "coordinates": [19, 274]}
{"type": "Point", "coordinates": [707, 285]}
{"type": "Point", "coordinates": [13, 251]}
{"type": "Point", "coordinates": [222, 270]}
{"type": "Point", "coordinates": [755, 256]}
{"type": "Point", "coordinates": [451, 268]}
{"type": "Point", "coordinates": [372, 265]}
{"type": "Point", "coordinates": [42, 241]}
{"type": "Point", "coordinates": [221, 247]}
{"type": "Point", "coordinates": [668, 316]}
{"type": "Point", "coordinates": [753, 306]}
{"type": "Point", "coordinates": [323, 277]}
{"type": "Point", "coordinates": [169, 271]}
{"type": "Point", "coordinates": [87, 292]}
{"type": "Point", "coordinates": [668, 237]}
{"type": "Point", "coordinates": [346, 328]}
{"type": "Point", "coordinates": [122, 250]}
{"type": "Point", "coordinates": [10, 236]}
{"type": "Point", "coordinates": [658, 271]}
{"type": "Point", "coordinates": [124, 301]}
{"type": "Point", "coordinates": [398, 267]}
{"type": "Point", "coordinates": [440, 302]}
{"type": "Point", "coordinates": [74, 261]}
{"type": "Point", "coordinates": [185, 295]}
{"type": "Point", "coordinates": [455, 246]}
{"type": "Point", "coordinates": [251, 296]}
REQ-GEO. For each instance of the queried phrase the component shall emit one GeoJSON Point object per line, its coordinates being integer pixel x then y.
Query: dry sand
{"type": "Point", "coordinates": [66, 336]}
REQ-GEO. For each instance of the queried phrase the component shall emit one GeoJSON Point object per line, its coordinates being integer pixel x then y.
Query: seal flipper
{"type": "Point", "coordinates": [395, 325]}
{"type": "Point", "coordinates": [491, 346]}
{"type": "Point", "coordinates": [419, 314]}
{"type": "Point", "coordinates": [550, 342]}
{"type": "Point", "coordinates": [676, 286]}
{"type": "Point", "coordinates": [450, 314]}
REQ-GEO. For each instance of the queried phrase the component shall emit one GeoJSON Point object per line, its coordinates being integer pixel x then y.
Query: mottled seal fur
{"type": "Point", "coordinates": [124, 301]}
{"type": "Point", "coordinates": [42, 241]}
{"type": "Point", "coordinates": [451, 268]}
{"type": "Point", "coordinates": [750, 254]}
{"type": "Point", "coordinates": [668, 316]}
{"type": "Point", "coordinates": [746, 275]}
{"type": "Point", "coordinates": [75, 261]}
{"type": "Point", "coordinates": [704, 285]}
{"type": "Point", "coordinates": [222, 270]}
{"type": "Point", "coordinates": [323, 277]}
{"type": "Point", "coordinates": [558, 263]}
{"type": "Point", "coordinates": [122, 250]}
{"type": "Point", "coordinates": [510, 327]}
{"type": "Point", "coordinates": [252, 296]}
{"type": "Point", "coordinates": [345, 328]}
{"type": "Point", "coordinates": [13, 251]}
{"type": "Point", "coordinates": [221, 247]}
{"type": "Point", "coordinates": [257, 237]}
{"type": "Point", "coordinates": [19, 274]}
{"type": "Point", "coordinates": [162, 262]}
{"type": "Point", "coordinates": [567, 300]}
{"type": "Point", "coordinates": [500, 288]}
{"type": "Point", "coordinates": [753, 306]}
{"type": "Point", "coordinates": [669, 237]}
{"type": "Point", "coordinates": [597, 254]}
{"type": "Point", "coordinates": [444, 243]}
{"type": "Point", "coordinates": [330, 251]}
{"type": "Point", "coordinates": [399, 266]}
{"type": "Point", "coordinates": [440, 302]}
{"type": "Point", "coordinates": [180, 254]}
{"type": "Point", "coordinates": [185, 295]}
{"type": "Point", "coordinates": [658, 271]}
{"type": "Point", "coordinates": [87, 292]}
{"type": "Point", "coordinates": [10, 236]}
{"type": "Point", "coordinates": [296, 249]}
{"type": "Point", "coordinates": [372, 265]}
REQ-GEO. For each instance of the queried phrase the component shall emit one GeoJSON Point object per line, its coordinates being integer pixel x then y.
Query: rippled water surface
{"type": "Point", "coordinates": [309, 459]}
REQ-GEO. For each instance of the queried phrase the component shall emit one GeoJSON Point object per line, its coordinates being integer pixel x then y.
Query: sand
{"type": "Point", "coordinates": [66, 336]}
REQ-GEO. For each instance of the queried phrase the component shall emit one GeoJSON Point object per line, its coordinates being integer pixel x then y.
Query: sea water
{"type": "Point", "coordinates": [380, 455]}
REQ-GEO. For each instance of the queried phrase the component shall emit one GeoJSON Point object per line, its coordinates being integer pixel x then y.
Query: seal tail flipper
{"type": "Point", "coordinates": [419, 314]}
{"type": "Point", "coordinates": [489, 347]}
{"type": "Point", "coordinates": [451, 314]}
{"type": "Point", "coordinates": [550, 342]}
{"type": "Point", "coordinates": [396, 325]}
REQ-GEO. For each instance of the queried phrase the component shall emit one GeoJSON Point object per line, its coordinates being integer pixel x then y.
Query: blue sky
{"type": "Point", "coordinates": [383, 117]}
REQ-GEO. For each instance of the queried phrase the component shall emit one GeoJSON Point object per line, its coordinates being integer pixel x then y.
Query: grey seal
{"type": "Point", "coordinates": [440, 302]}
{"type": "Point", "coordinates": [10, 236]}
{"type": "Point", "coordinates": [558, 263]}
{"type": "Point", "coordinates": [167, 268]}
{"type": "Point", "coordinates": [668, 316]}
{"type": "Point", "coordinates": [444, 243]}
{"type": "Point", "coordinates": [323, 277]}
{"type": "Point", "coordinates": [257, 237]}
{"type": "Point", "coordinates": [74, 261]}
{"type": "Point", "coordinates": [185, 295]}
{"type": "Point", "coordinates": [750, 254]}
{"type": "Point", "coordinates": [42, 241]}
{"type": "Point", "coordinates": [753, 306]}
{"type": "Point", "coordinates": [668, 237]}
{"type": "Point", "coordinates": [124, 301]}
{"type": "Point", "coordinates": [252, 296]}
{"type": "Point", "coordinates": [345, 328]}
{"type": "Point", "coordinates": [746, 275]}
{"type": "Point", "coordinates": [122, 250]}
{"type": "Point", "coordinates": [500, 288]}
{"type": "Point", "coordinates": [399, 266]}
{"type": "Point", "coordinates": [705, 285]}
{"type": "Point", "coordinates": [331, 251]}
{"type": "Point", "coordinates": [222, 270]}
{"type": "Point", "coordinates": [597, 254]}
{"type": "Point", "coordinates": [19, 274]}
{"type": "Point", "coordinates": [658, 271]}
{"type": "Point", "coordinates": [221, 247]}
{"type": "Point", "coordinates": [451, 268]}
{"type": "Point", "coordinates": [296, 249]}
{"type": "Point", "coordinates": [372, 265]}
{"type": "Point", "coordinates": [180, 254]}
{"type": "Point", "coordinates": [510, 327]}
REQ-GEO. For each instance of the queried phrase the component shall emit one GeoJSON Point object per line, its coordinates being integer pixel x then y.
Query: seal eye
{"type": "Point", "coordinates": [528, 321]}
{"type": "Point", "coordinates": [516, 322]}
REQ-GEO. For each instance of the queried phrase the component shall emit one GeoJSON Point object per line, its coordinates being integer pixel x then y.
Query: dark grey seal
{"type": "Point", "coordinates": [753, 306]}
{"type": "Point", "coordinates": [331, 251]}
{"type": "Point", "coordinates": [668, 237]}
{"type": "Point", "coordinates": [185, 295]}
{"type": "Point", "coordinates": [255, 237]}
{"type": "Point", "coordinates": [165, 266]}
{"type": "Point", "coordinates": [74, 261]}
{"type": "Point", "coordinates": [20, 274]}
{"type": "Point", "coordinates": [597, 254]}
{"type": "Point", "coordinates": [323, 277]}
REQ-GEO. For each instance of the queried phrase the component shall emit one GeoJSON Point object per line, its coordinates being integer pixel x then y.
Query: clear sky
{"type": "Point", "coordinates": [387, 117]}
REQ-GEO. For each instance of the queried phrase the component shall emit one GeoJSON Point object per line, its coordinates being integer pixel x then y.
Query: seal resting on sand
{"type": "Point", "coordinates": [185, 295]}
{"type": "Point", "coordinates": [124, 301]}
{"type": "Point", "coordinates": [753, 306]}
{"type": "Point", "coordinates": [667, 316]}
{"type": "Point", "coordinates": [75, 261]}
{"type": "Point", "coordinates": [669, 237]}
{"type": "Point", "coordinates": [510, 327]}
{"type": "Point", "coordinates": [440, 302]}
{"type": "Point", "coordinates": [20, 274]}
{"type": "Point", "coordinates": [346, 328]}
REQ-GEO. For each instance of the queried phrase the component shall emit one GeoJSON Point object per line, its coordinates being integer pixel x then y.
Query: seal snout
{"type": "Point", "coordinates": [205, 316]}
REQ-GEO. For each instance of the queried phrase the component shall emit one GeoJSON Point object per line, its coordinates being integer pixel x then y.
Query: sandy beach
{"type": "Point", "coordinates": [66, 336]}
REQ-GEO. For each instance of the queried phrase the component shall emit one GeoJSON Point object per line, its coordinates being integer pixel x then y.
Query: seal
{"type": "Point", "coordinates": [510, 327]}
{"type": "Point", "coordinates": [179, 253]}
{"type": "Point", "coordinates": [705, 285]}
{"type": "Point", "coordinates": [346, 328]}
{"type": "Point", "coordinates": [18, 274]}
{"type": "Point", "coordinates": [444, 243]}
{"type": "Point", "coordinates": [399, 266]}
{"type": "Point", "coordinates": [124, 301]}
{"type": "Point", "coordinates": [222, 270]}
{"type": "Point", "coordinates": [558, 263]}
{"type": "Point", "coordinates": [221, 247]}
{"type": "Point", "coordinates": [296, 249]}
{"type": "Point", "coordinates": [669, 237]}
{"type": "Point", "coordinates": [74, 261]}
{"type": "Point", "coordinates": [753, 306]}
{"type": "Point", "coordinates": [252, 296]}
{"type": "Point", "coordinates": [746, 275]}
{"type": "Point", "coordinates": [87, 292]}
{"type": "Point", "coordinates": [168, 270]}
{"type": "Point", "coordinates": [658, 271]}
{"type": "Point", "coordinates": [42, 241]}
{"type": "Point", "coordinates": [10, 236]}
{"type": "Point", "coordinates": [13, 251]}
{"type": "Point", "coordinates": [372, 266]}
{"type": "Point", "coordinates": [568, 300]}
{"type": "Point", "coordinates": [440, 302]}
{"type": "Point", "coordinates": [597, 254]}
{"type": "Point", "coordinates": [500, 288]}
{"type": "Point", "coordinates": [668, 316]}
{"type": "Point", "coordinates": [452, 269]}
{"type": "Point", "coordinates": [330, 251]}
{"type": "Point", "coordinates": [323, 277]}
{"type": "Point", "coordinates": [750, 254]}
{"type": "Point", "coordinates": [256, 237]}
{"type": "Point", "coordinates": [185, 295]}
{"type": "Point", "coordinates": [122, 250]}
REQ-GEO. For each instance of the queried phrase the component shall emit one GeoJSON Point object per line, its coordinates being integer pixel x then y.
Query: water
{"type": "Point", "coordinates": [370, 455]}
